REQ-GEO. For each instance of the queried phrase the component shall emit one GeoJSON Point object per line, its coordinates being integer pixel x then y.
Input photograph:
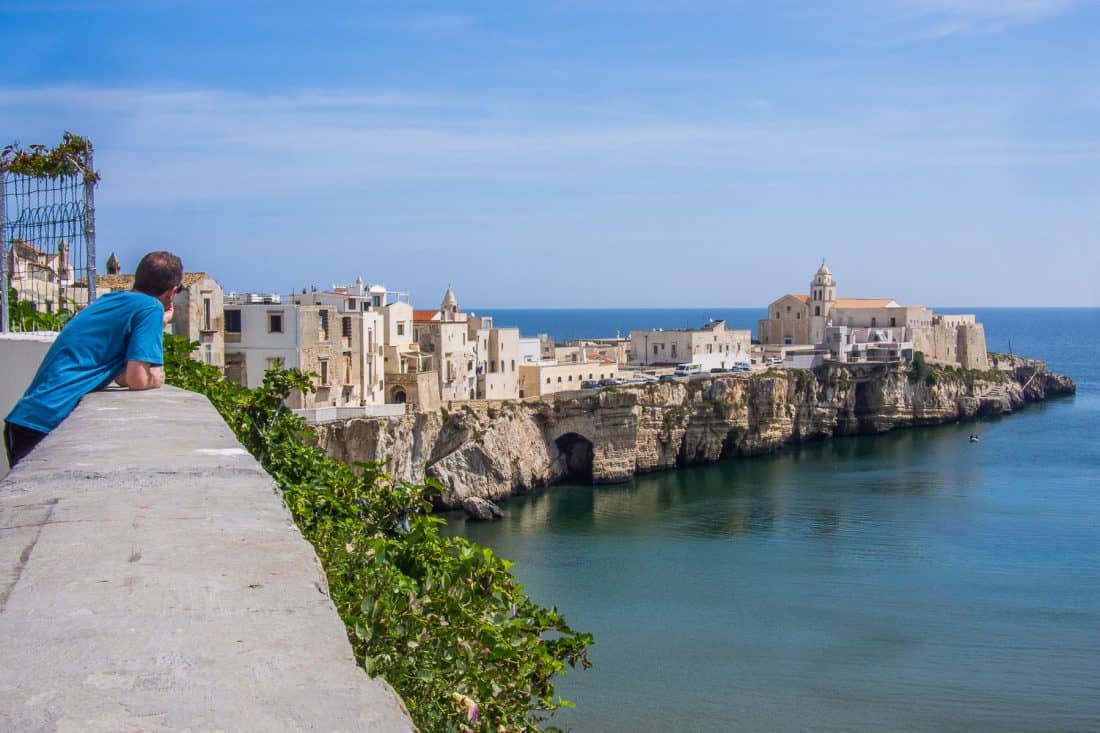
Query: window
{"type": "Point", "coordinates": [233, 321]}
{"type": "Point", "coordinates": [275, 362]}
{"type": "Point", "coordinates": [874, 322]}
{"type": "Point", "coordinates": [893, 321]}
{"type": "Point", "coordinates": [323, 364]}
{"type": "Point", "coordinates": [788, 309]}
{"type": "Point", "coordinates": [798, 316]}
{"type": "Point", "coordinates": [206, 313]}
{"type": "Point", "coordinates": [274, 322]}
{"type": "Point", "coordinates": [208, 354]}
{"type": "Point", "coordinates": [347, 370]}
{"type": "Point", "coordinates": [376, 301]}
{"type": "Point", "coordinates": [322, 324]}
{"type": "Point", "coordinates": [559, 379]}
{"type": "Point", "coordinates": [817, 310]}
{"type": "Point", "coordinates": [345, 326]}
{"type": "Point", "coordinates": [654, 349]}
{"type": "Point", "coordinates": [502, 365]}
{"type": "Point", "coordinates": [548, 380]}
{"type": "Point", "coordinates": [570, 377]}
{"type": "Point", "coordinates": [513, 365]}
{"type": "Point", "coordinates": [401, 329]}
{"type": "Point", "coordinates": [493, 367]}
{"type": "Point", "coordinates": [351, 304]}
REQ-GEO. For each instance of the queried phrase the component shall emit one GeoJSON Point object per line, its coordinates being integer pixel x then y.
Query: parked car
{"type": "Point", "coordinates": [608, 382]}
{"type": "Point", "coordinates": [666, 377]}
{"type": "Point", "coordinates": [775, 361]}
{"type": "Point", "coordinates": [719, 370]}
{"type": "Point", "coordinates": [590, 384]}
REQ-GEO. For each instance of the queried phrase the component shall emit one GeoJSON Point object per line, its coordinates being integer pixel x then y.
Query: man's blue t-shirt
{"type": "Point", "coordinates": [90, 351]}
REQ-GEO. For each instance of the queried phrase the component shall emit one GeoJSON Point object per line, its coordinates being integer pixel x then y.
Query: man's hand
{"type": "Point", "coordinates": [168, 313]}
{"type": "Point", "coordinates": [140, 376]}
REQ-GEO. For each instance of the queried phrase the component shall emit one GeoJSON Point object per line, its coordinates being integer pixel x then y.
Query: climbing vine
{"type": "Point", "coordinates": [441, 619]}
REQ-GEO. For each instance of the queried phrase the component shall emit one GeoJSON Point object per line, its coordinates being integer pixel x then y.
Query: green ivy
{"type": "Point", "coordinates": [67, 158]}
{"type": "Point", "coordinates": [442, 619]}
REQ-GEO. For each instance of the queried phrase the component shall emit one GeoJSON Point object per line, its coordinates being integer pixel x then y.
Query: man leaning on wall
{"type": "Point", "coordinates": [119, 338]}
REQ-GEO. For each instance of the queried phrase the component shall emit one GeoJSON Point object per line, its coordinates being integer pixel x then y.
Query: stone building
{"type": "Point", "coordinates": [616, 349]}
{"type": "Point", "coordinates": [444, 334]}
{"type": "Point", "coordinates": [881, 326]}
{"type": "Point", "coordinates": [359, 309]}
{"type": "Point", "coordinates": [44, 279]}
{"type": "Point", "coordinates": [336, 334]}
{"type": "Point", "coordinates": [713, 345]}
{"type": "Point", "coordinates": [548, 377]}
{"type": "Point", "coordinates": [497, 355]}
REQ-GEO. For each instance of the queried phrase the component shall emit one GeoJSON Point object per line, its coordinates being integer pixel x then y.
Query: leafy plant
{"type": "Point", "coordinates": [22, 316]}
{"type": "Point", "coordinates": [67, 158]}
{"type": "Point", "coordinates": [442, 619]}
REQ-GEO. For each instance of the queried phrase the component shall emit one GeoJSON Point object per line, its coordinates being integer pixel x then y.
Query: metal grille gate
{"type": "Point", "coordinates": [47, 233]}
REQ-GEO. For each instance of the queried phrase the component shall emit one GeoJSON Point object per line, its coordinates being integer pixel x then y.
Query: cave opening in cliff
{"type": "Point", "coordinates": [577, 452]}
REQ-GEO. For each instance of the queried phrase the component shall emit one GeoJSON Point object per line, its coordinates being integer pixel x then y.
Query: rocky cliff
{"type": "Point", "coordinates": [491, 451]}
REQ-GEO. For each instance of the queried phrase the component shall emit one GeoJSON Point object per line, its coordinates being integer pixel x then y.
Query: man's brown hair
{"type": "Point", "coordinates": [157, 272]}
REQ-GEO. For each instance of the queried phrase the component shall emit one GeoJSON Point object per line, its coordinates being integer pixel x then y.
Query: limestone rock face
{"type": "Point", "coordinates": [492, 451]}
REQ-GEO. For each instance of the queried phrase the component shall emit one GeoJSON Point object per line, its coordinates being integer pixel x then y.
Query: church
{"type": "Point", "coordinates": [876, 329]}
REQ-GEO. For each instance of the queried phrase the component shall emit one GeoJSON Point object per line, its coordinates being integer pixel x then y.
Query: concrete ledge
{"type": "Point", "coordinates": [152, 580]}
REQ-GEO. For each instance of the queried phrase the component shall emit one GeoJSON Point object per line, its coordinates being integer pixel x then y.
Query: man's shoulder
{"type": "Point", "coordinates": [128, 300]}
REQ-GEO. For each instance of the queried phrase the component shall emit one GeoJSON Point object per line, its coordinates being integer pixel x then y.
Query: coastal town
{"type": "Point", "coordinates": [373, 353]}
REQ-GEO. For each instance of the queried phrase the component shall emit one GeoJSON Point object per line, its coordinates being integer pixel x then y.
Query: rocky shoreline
{"type": "Point", "coordinates": [492, 450]}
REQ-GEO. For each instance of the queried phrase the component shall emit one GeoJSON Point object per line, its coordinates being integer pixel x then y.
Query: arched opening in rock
{"type": "Point", "coordinates": [577, 452]}
{"type": "Point", "coordinates": [397, 397]}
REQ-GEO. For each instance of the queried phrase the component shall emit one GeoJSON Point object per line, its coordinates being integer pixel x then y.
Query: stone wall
{"type": "Point", "coordinates": [610, 434]}
{"type": "Point", "coordinates": [961, 344]}
{"type": "Point", "coordinates": [20, 355]}
{"type": "Point", "coordinates": [153, 580]}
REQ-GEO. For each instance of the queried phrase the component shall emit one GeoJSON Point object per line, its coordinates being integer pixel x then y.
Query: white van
{"type": "Point", "coordinates": [686, 370]}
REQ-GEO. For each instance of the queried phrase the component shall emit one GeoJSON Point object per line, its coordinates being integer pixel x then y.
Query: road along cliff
{"type": "Point", "coordinates": [490, 451]}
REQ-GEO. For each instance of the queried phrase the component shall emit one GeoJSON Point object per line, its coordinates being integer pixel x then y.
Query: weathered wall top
{"type": "Point", "coordinates": [151, 579]}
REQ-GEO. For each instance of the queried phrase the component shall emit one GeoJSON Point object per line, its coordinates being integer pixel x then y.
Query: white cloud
{"type": "Point", "coordinates": [940, 18]}
{"type": "Point", "coordinates": [173, 145]}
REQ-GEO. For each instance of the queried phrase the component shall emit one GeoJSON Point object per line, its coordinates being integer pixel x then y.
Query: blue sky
{"type": "Point", "coordinates": [585, 152]}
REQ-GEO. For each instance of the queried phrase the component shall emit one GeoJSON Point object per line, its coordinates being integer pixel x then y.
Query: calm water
{"type": "Point", "coordinates": [910, 581]}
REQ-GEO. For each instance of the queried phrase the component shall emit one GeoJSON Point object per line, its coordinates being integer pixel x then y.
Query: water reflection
{"type": "Point", "coordinates": [814, 490]}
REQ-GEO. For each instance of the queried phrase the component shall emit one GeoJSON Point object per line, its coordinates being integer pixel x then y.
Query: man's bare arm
{"type": "Point", "coordinates": [140, 375]}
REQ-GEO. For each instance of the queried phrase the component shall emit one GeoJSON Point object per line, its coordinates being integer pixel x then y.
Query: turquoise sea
{"type": "Point", "coordinates": [911, 581]}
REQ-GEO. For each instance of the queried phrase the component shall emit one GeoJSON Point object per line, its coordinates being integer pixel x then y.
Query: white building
{"type": "Point", "coordinates": [337, 334]}
{"type": "Point", "coordinates": [712, 346]}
